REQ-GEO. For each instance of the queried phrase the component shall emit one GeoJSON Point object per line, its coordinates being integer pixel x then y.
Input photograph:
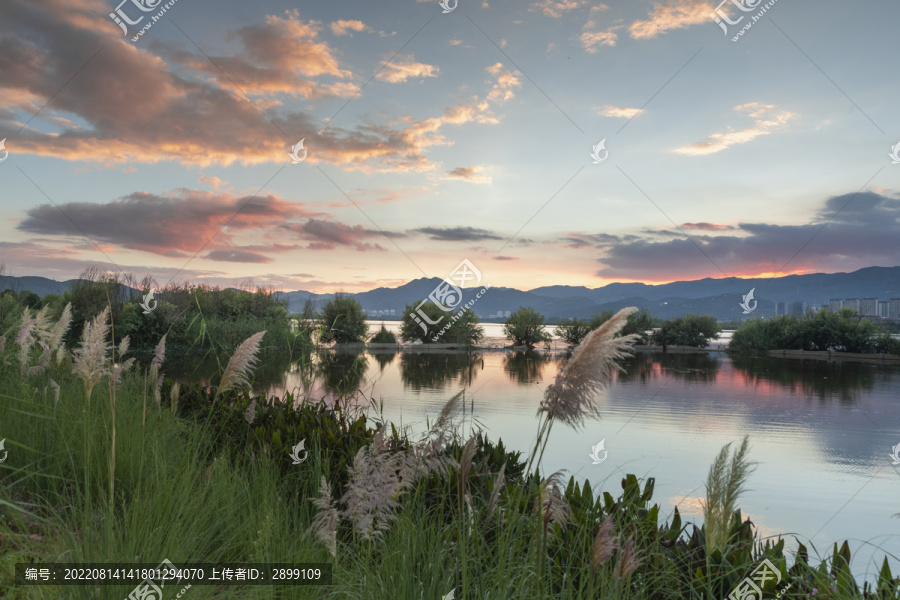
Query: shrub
{"type": "Point", "coordinates": [440, 326]}
{"type": "Point", "coordinates": [384, 336]}
{"type": "Point", "coordinates": [825, 330]}
{"type": "Point", "coordinates": [572, 331]}
{"type": "Point", "coordinates": [342, 321]}
{"type": "Point", "coordinates": [525, 327]}
{"type": "Point", "coordinates": [690, 330]}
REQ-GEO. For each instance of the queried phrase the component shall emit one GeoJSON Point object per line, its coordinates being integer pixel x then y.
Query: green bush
{"type": "Point", "coordinates": [384, 336]}
{"type": "Point", "coordinates": [825, 330]}
{"type": "Point", "coordinates": [440, 326]}
{"type": "Point", "coordinates": [343, 321]}
{"type": "Point", "coordinates": [573, 330]}
{"type": "Point", "coordinates": [690, 330]}
{"type": "Point", "coordinates": [525, 327]}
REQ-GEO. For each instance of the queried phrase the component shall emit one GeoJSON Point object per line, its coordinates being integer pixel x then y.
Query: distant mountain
{"type": "Point", "coordinates": [39, 285]}
{"type": "Point", "coordinates": [717, 297]}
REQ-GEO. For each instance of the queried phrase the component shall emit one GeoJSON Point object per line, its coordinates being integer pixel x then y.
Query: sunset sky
{"type": "Point", "coordinates": [435, 137]}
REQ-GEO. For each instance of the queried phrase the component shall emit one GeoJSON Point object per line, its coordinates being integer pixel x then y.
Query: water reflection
{"type": "Point", "coordinates": [845, 381]}
{"type": "Point", "coordinates": [342, 372]}
{"type": "Point", "coordinates": [434, 370]}
{"type": "Point", "coordinates": [525, 368]}
{"type": "Point", "coordinates": [383, 359]}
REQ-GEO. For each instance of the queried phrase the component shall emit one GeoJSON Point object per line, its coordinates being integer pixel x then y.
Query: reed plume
{"type": "Point", "coordinates": [724, 484]}
{"type": "Point", "coordinates": [324, 524]}
{"type": "Point", "coordinates": [250, 414]}
{"type": "Point", "coordinates": [380, 474]}
{"type": "Point", "coordinates": [173, 397]}
{"type": "Point", "coordinates": [629, 560]}
{"type": "Point", "coordinates": [499, 484]}
{"type": "Point", "coordinates": [239, 367]}
{"type": "Point", "coordinates": [156, 378]}
{"type": "Point", "coordinates": [375, 485]}
{"type": "Point", "coordinates": [58, 335]}
{"type": "Point", "coordinates": [605, 545]}
{"type": "Point", "coordinates": [551, 503]}
{"type": "Point", "coordinates": [572, 396]}
{"type": "Point", "coordinates": [90, 358]}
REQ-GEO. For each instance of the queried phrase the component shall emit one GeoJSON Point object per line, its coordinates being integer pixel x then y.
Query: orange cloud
{"type": "Point", "coordinates": [556, 8]}
{"type": "Point", "coordinates": [615, 111]}
{"type": "Point", "coordinates": [507, 81]}
{"type": "Point", "coordinates": [342, 27]}
{"type": "Point", "coordinates": [674, 14]}
{"type": "Point", "coordinates": [404, 67]}
{"type": "Point", "coordinates": [765, 120]}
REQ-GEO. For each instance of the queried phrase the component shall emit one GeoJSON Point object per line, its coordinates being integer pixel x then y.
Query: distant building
{"type": "Point", "coordinates": [851, 303]}
{"type": "Point", "coordinates": [884, 309]}
{"type": "Point", "coordinates": [868, 307]}
{"type": "Point", "coordinates": [780, 309]}
{"type": "Point", "coordinates": [796, 308]}
{"type": "Point", "coordinates": [894, 308]}
{"type": "Point", "coordinates": [834, 305]}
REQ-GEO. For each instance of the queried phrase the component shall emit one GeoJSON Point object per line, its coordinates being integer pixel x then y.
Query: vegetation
{"type": "Point", "coordinates": [192, 317]}
{"type": "Point", "coordinates": [440, 326]}
{"type": "Point", "coordinates": [690, 330]}
{"type": "Point", "coordinates": [203, 473]}
{"type": "Point", "coordinates": [525, 327]}
{"type": "Point", "coordinates": [845, 331]}
{"type": "Point", "coordinates": [342, 320]}
{"type": "Point", "coordinates": [574, 330]}
{"type": "Point", "coordinates": [384, 336]}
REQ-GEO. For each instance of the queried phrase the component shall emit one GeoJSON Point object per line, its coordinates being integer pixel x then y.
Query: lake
{"type": "Point", "coordinates": [822, 432]}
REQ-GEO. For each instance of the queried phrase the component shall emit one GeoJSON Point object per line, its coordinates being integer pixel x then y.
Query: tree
{"type": "Point", "coordinates": [690, 330]}
{"type": "Point", "coordinates": [573, 330]}
{"type": "Point", "coordinates": [384, 336]}
{"type": "Point", "coordinates": [342, 321]}
{"type": "Point", "coordinates": [439, 326]}
{"type": "Point", "coordinates": [639, 323]}
{"type": "Point", "coordinates": [525, 327]}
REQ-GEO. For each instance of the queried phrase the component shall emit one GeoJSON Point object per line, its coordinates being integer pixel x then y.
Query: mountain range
{"type": "Point", "coordinates": [718, 297]}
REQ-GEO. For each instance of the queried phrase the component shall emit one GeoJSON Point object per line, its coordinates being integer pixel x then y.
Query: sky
{"type": "Point", "coordinates": [548, 142]}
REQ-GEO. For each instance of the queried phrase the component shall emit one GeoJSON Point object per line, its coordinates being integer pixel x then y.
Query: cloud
{"type": "Point", "coordinates": [506, 82]}
{"type": "Point", "coordinates": [706, 226]}
{"type": "Point", "coordinates": [848, 232]}
{"type": "Point", "coordinates": [614, 111]}
{"type": "Point", "coordinates": [591, 40]}
{"type": "Point", "coordinates": [506, 258]}
{"type": "Point", "coordinates": [673, 14]}
{"type": "Point", "coordinates": [457, 234]}
{"type": "Point", "coordinates": [596, 240]}
{"type": "Point", "coordinates": [214, 182]}
{"type": "Point", "coordinates": [237, 255]}
{"type": "Point", "coordinates": [278, 55]}
{"type": "Point", "coordinates": [472, 174]}
{"type": "Point", "coordinates": [404, 67]}
{"type": "Point", "coordinates": [328, 235]}
{"type": "Point", "coordinates": [765, 120]}
{"type": "Point", "coordinates": [556, 8]}
{"type": "Point", "coordinates": [120, 99]}
{"type": "Point", "coordinates": [342, 27]}
{"type": "Point", "coordinates": [179, 223]}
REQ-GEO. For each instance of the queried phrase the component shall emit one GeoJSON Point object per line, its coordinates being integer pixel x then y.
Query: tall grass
{"type": "Point", "coordinates": [410, 518]}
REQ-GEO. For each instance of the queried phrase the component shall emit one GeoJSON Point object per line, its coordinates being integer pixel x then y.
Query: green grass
{"type": "Point", "coordinates": [203, 485]}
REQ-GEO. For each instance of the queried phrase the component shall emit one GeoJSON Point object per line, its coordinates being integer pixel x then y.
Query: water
{"type": "Point", "coordinates": [822, 432]}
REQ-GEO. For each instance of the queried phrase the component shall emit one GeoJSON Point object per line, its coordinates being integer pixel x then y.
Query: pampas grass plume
{"type": "Point", "coordinates": [242, 361]}
{"type": "Point", "coordinates": [571, 397]}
